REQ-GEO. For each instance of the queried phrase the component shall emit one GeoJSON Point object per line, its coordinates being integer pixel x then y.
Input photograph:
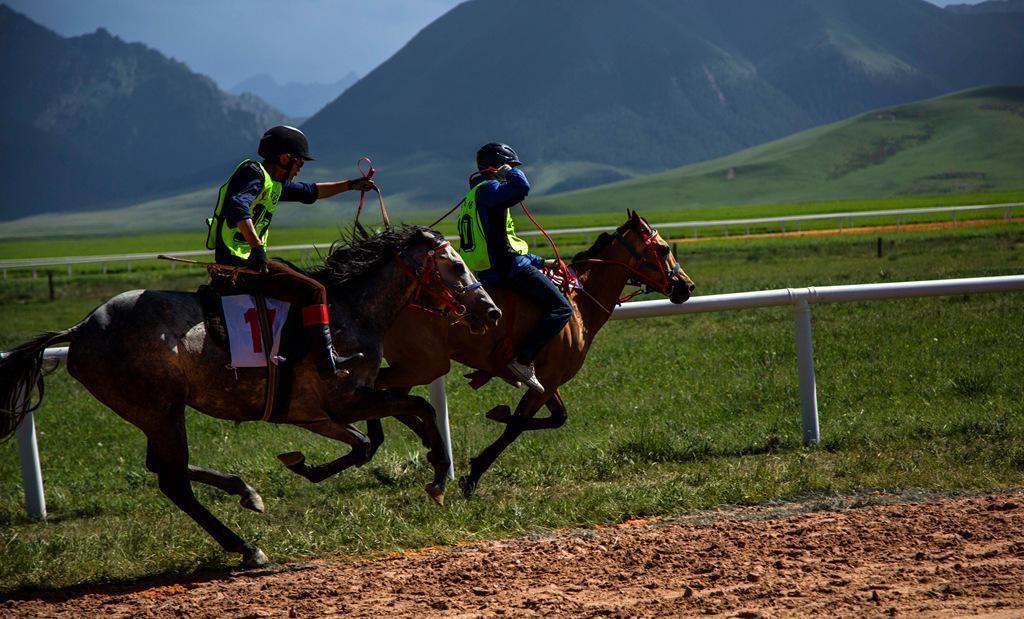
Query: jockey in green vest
{"type": "Point", "coordinates": [240, 227]}
{"type": "Point", "coordinates": [489, 246]}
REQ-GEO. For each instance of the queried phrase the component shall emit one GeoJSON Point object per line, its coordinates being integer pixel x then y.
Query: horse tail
{"type": "Point", "coordinates": [21, 372]}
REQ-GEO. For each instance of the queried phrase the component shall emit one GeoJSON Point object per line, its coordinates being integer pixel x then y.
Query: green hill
{"type": "Point", "coordinates": [968, 142]}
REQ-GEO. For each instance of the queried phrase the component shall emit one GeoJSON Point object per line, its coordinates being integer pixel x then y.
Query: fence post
{"type": "Point", "coordinates": [28, 454]}
{"type": "Point", "coordinates": [805, 368]}
{"type": "Point", "coordinates": [440, 401]}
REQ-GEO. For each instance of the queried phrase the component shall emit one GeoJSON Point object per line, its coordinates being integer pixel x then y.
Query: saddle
{"type": "Point", "coordinates": [281, 371]}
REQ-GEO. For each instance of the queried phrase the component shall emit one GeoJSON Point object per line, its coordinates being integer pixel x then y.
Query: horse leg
{"type": "Point", "coordinates": [232, 484]}
{"type": "Point", "coordinates": [518, 423]}
{"type": "Point", "coordinates": [374, 428]}
{"type": "Point", "coordinates": [553, 421]}
{"type": "Point", "coordinates": [375, 432]}
{"type": "Point", "coordinates": [167, 456]}
{"type": "Point", "coordinates": [358, 456]}
{"type": "Point", "coordinates": [377, 404]}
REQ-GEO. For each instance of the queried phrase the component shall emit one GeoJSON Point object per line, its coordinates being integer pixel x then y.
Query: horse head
{"type": "Point", "coordinates": [445, 284]}
{"type": "Point", "coordinates": [651, 261]}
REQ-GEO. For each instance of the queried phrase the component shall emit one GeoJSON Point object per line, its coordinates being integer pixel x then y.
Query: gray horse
{"type": "Point", "coordinates": [147, 355]}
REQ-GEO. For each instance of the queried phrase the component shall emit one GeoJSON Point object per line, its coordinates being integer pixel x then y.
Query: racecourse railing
{"type": "Point", "coordinates": [693, 226]}
{"type": "Point", "coordinates": [799, 298]}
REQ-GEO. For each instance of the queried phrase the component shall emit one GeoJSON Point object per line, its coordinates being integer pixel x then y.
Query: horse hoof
{"type": "Point", "coordinates": [255, 560]}
{"type": "Point", "coordinates": [436, 493]}
{"type": "Point", "coordinates": [499, 414]}
{"type": "Point", "coordinates": [252, 501]}
{"type": "Point", "coordinates": [292, 459]}
{"type": "Point", "coordinates": [467, 485]}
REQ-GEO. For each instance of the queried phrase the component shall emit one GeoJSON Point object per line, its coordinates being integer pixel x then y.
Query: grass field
{"type": "Point", "coordinates": [190, 240]}
{"type": "Point", "coordinates": [669, 415]}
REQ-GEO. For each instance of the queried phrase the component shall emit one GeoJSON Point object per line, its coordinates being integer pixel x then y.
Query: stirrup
{"type": "Point", "coordinates": [340, 360]}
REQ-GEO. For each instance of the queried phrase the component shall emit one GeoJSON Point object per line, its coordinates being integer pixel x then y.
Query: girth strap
{"type": "Point", "coordinates": [266, 332]}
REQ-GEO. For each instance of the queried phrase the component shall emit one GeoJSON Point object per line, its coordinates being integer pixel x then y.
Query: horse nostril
{"type": "Point", "coordinates": [691, 286]}
{"type": "Point", "coordinates": [494, 314]}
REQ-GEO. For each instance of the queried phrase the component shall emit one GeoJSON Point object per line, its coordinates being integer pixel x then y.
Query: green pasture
{"type": "Point", "coordinates": [669, 415]}
{"type": "Point", "coordinates": [322, 237]}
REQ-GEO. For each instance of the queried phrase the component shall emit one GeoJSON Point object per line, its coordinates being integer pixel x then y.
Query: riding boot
{"type": "Point", "coordinates": [329, 364]}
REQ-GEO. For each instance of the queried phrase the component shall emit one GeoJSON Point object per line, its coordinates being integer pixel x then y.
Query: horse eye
{"type": "Point", "coordinates": [663, 251]}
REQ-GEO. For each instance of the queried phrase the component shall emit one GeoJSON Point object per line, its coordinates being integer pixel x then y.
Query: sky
{"type": "Point", "coordinates": [232, 40]}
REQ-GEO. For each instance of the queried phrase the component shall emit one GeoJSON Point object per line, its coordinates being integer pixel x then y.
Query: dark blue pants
{"type": "Point", "coordinates": [555, 310]}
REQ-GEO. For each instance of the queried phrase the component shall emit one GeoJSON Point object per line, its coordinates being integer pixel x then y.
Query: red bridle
{"type": "Point", "coordinates": [429, 281]}
{"type": "Point", "coordinates": [646, 257]}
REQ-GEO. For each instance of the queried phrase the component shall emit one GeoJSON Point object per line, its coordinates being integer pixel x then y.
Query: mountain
{"type": "Point", "coordinates": [992, 6]}
{"type": "Point", "coordinates": [91, 120]}
{"type": "Point", "coordinates": [967, 142]}
{"type": "Point", "coordinates": [297, 100]}
{"type": "Point", "coordinates": [624, 88]}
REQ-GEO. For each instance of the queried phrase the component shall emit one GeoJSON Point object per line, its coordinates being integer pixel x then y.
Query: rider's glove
{"type": "Point", "coordinates": [258, 258]}
{"type": "Point", "coordinates": [361, 184]}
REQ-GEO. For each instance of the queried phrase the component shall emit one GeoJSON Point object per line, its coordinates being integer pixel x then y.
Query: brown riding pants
{"type": "Point", "coordinates": [286, 284]}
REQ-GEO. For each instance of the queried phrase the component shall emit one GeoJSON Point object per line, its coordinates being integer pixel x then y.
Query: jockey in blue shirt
{"type": "Point", "coordinates": [502, 257]}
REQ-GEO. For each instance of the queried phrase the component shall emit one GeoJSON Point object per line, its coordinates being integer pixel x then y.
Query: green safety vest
{"type": "Point", "coordinates": [473, 241]}
{"type": "Point", "coordinates": [262, 209]}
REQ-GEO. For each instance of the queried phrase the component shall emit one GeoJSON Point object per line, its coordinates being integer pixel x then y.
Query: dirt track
{"type": "Point", "coordinates": [949, 558]}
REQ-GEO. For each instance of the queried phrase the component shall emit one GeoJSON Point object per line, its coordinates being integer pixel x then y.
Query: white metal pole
{"type": "Point", "coordinates": [805, 368]}
{"type": "Point", "coordinates": [440, 401]}
{"type": "Point", "coordinates": [31, 472]}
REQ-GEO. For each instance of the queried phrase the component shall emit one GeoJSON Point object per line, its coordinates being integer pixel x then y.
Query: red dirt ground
{"type": "Point", "coordinates": [940, 558]}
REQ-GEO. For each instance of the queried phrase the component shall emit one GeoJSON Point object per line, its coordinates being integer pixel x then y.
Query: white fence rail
{"type": "Point", "coordinates": [799, 298]}
{"type": "Point", "coordinates": [694, 226]}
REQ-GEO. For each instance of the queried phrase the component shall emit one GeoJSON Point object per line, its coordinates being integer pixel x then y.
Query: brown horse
{"type": "Point", "coordinates": [147, 355]}
{"type": "Point", "coordinates": [419, 347]}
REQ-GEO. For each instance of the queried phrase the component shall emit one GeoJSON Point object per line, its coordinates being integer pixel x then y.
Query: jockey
{"type": "Point", "coordinates": [488, 244]}
{"type": "Point", "coordinates": [241, 224]}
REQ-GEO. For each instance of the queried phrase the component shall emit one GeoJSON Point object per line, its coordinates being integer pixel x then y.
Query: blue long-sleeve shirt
{"type": "Point", "coordinates": [493, 199]}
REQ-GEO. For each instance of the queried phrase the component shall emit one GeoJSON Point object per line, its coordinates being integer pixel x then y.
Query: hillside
{"type": "Point", "coordinates": [91, 120]}
{"type": "Point", "coordinates": [622, 89]}
{"type": "Point", "coordinates": [968, 142]}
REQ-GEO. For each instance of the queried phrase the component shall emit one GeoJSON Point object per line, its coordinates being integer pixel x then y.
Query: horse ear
{"type": "Point", "coordinates": [427, 235]}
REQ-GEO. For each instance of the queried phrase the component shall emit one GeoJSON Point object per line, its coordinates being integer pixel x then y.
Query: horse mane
{"type": "Point", "coordinates": [354, 256]}
{"type": "Point", "coordinates": [602, 241]}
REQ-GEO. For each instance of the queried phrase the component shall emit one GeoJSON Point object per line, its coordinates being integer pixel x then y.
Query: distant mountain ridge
{"type": "Point", "coordinates": [92, 120]}
{"type": "Point", "coordinates": [991, 6]}
{"type": "Point", "coordinates": [621, 88]}
{"type": "Point", "coordinates": [297, 100]}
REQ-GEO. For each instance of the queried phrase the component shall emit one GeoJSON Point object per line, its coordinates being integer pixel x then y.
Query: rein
{"type": "Point", "coordinates": [429, 281]}
{"type": "Point", "coordinates": [368, 175]}
{"type": "Point", "coordinates": [638, 277]}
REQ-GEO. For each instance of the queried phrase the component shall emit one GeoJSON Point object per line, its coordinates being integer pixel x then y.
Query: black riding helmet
{"type": "Point", "coordinates": [495, 155]}
{"type": "Point", "coordinates": [286, 140]}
